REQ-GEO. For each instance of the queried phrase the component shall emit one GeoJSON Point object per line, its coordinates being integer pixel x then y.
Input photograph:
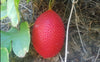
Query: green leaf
{"type": "Point", "coordinates": [20, 39]}
{"type": "Point", "coordinates": [5, 40]}
{"type": "Point", "coordinates": [2, 1]}
{"type": "Point", "coordinates": [4, 55]}
{"type": "Point", "coordinates": [3, 8]}
{"type": "Point", "coordinates": [12, 12]}
{"type": "Point", "coordinates": [17, 6]}
{"type": "Point", "coordinates": [21, 43]}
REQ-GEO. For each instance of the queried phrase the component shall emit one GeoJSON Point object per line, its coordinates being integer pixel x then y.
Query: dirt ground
{"type": "Point", "coordinates": [82, 48]}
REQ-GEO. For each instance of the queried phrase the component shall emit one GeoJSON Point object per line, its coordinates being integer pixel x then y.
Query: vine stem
{"type": "Point", "coordinates": [66, 46]}
{"type": "Point", "coordinates": [51, 2]}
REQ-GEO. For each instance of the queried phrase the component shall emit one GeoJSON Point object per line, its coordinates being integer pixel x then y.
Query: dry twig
{"type": "Point", "coordinates": [66, 46]}
{"type": "Point", "coordinates": [77, 19]}
{"type": "Point", "coordinates": [97, 55]}
{"type": "Point", "coordinates": [61, 57]}
{"type": "Point", "coordinates": [26, 8]}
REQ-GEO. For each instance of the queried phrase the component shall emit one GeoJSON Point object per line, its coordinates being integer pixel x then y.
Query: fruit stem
{"type": "Point", "coordinates": [51, 3]}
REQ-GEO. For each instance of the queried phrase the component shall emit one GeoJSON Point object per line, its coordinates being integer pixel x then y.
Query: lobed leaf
{"type": "Point", "coordinates": [20, 39]}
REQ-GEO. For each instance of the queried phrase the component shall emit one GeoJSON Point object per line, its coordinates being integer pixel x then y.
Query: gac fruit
{"type": "Point", "coordinates": [48, 34]}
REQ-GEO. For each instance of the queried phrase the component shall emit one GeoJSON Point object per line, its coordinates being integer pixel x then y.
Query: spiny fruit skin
{"type": "Point", "coordinates": [48, 34]}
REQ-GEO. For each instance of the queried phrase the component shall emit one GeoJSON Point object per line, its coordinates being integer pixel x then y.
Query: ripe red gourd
{"type": "Point", "coordinates": [48, 34]}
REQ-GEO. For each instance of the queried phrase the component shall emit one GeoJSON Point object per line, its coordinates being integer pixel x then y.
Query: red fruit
{"type": "Point", "coordinates": [48, 34]}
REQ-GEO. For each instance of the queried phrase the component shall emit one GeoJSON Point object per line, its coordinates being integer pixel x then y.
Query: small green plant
{"type": "Point", "coordinates": [14, 39]}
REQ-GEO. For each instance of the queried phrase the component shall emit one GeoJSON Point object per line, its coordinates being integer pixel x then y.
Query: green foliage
{"type": "Point", "coordinates": [20, 39]}
{"type": "Point", "coordinates": [17, 6]}
{"type": "Point", "coordinates": [22, 42]}
{"type": "Point", "coordinates": [5, 41]}
{"type": "Point", "coordinates": [9, 9]}
{"type": "Point", "coordinates": [12, 11]}
{"type": "Point", "coordinates": [2, 1]}
{"type": "Point", "coordinates": [3, 9]}
{"type": "Point", "coordinates": [4, 55]}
